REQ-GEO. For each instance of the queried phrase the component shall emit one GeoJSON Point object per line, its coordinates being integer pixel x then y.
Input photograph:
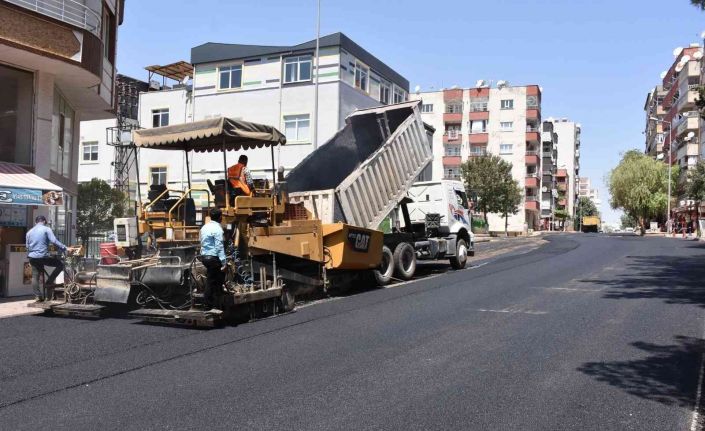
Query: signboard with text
{"type": "Point", "coordinates": [17, 196]}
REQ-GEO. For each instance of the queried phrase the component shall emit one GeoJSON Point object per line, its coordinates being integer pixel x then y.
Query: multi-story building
{"type": "Point", "coordinates": [549, 161]}
{"type": "Point", "coordinates": [568, 164]}
{"type": "Point", "coordinates": [273, 85]}
{"type": "Point", "coordinates": [585, 190]}
{"type": "Point", "coordinates": [654, 131]}
{"type": "Point", "coordinates": [503, 120]}
{"type": "Point", "coordinates": [57, 68]}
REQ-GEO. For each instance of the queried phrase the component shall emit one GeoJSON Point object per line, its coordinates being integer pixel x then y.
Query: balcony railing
{"type": "Point", "coordinates": [532, 129]}
{"type": "Point", "coordinates": [453, 134]}
{"type": "Point", "coordinates": [532, 152]}
{"type": "Point", "coordinates": [452, 177]}
{"type": "Point", "coordinates": [68, 11]}
{"type": "Point", "coordinates": [532, 199]}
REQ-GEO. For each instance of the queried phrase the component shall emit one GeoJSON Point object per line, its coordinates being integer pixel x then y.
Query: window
{"type": "Point", "coordinates": [452, 150]}
{"type": "Point", "coordinates": [478, 105]}
{"type": "Point", "coordinates": [61, 135]}
{"type": "Point", "coordinates": [478, 126]}
{"type": "Point", "coordinates": [160, 117]}
{"type": "Point", "coordinates": [505, 148]}
{"type": "Point", "coordinates": [297, 69]}
{"type": "Point", "coordinates": [16, 112]}
{"type": "Point", "coordinates": [362, 74]}
{"type": "Point", "coordinates": [157, 175]}
{"type": "Point", "coordinates": [427, 108]}
{"type": "Point", "coordinates": [477, 151]}
{"type": "Point", "coordinates": [385, 90]}
{"type": "Point", "coordinates": [454, 108]}
{"type": "Point", "coordinates": [296, 127]}
{"type": "Point", "coordinates": [506, 125]}
{"type": "Point", "coordinates": [90, 151]}
{"type": "Point", "coordinates": [399, 95]}
{"type": "Point", "coordinates": [507, 104]}
{"type": "Point", "coordinates": [230, 77]}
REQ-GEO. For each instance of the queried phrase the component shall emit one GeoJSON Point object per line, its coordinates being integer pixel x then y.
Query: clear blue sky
{"type": "Point", "coordinates": [595, 60]}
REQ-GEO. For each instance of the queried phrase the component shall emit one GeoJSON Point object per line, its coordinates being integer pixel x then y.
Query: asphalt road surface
{"type": "Point", "coordinates": [584, 332]}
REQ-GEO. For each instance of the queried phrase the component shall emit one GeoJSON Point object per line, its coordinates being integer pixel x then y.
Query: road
{"type": "Point", "coordinates": [584, 332]}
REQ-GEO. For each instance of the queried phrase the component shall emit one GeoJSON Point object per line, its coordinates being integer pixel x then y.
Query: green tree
{"type": "Point", "coordinates": [695, 189]}
{"type": "Point", "coordinates": [627, 221]}
{"type": "Point", "coordinates": [97, 206]}
{"type": "Point", "coordinates": [586, 207]}
{"type": "Point", "coordinates": [508, 199]}
{"type": "Point", "coordinates": [484, 177]}
{"type": "Point", "coordinates": [698, 3]}
{"type": "Point", "coordinates": [638, 186]}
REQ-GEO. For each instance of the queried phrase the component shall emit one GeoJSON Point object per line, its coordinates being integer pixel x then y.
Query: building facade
{"type": "Point", "coordinates": [568, 164]}
{"type": "Point", "coordinates": [585, 190]}
{"type": "Point", "coordinates": [503, 120]}
{"type": "Point", "coordinates": [57, 68]}
{"type": "Point", "coordinates": [273, 85]}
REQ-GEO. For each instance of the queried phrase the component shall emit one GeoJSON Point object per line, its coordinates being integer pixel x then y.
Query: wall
{"type": "Point", "coordinates": [567, 132]}
{"type": "Point", "coordinates": [95, 131]}
{"type": "Point", "coordinates": [435, 119]}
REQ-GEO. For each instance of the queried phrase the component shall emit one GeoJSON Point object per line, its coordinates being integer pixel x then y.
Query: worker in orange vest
{"type": "Point", "coordinates": [240, 178]}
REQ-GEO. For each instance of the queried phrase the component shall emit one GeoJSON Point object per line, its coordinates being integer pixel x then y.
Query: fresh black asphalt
{"type": "Point", "coordinates": [586, 332]}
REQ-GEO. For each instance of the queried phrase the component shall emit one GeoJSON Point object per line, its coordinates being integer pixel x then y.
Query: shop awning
{"type": "Point", "coordinates": [213, 134]}
{"type": "Point", "coordinates": [18, 186]}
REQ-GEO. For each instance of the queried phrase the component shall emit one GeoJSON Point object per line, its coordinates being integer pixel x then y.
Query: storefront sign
{"type": "Point", "coordinates": [13, 215]}
{"type": "Point", "coordinates": [11, 195]}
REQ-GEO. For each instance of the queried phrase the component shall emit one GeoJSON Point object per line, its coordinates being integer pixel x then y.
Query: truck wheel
{"type": "Point", "coordinates": [461, 255]}
{"type": "Point", "coordinates": [383, 275]}
{"type": "Point", "coordinates": [404, 261]}
{"type": "Point", "coordinates": [286, 301]}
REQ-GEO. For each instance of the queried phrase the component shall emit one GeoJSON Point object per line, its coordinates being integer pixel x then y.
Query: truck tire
{"type": "Point", "coordinates": [383, 275]}
{"type": "Point", "coordinates": [286, 301]}
{"type": "Point", "coordinates": [461, 255]}
{"type": "Point", "coordinates": [404, 261]}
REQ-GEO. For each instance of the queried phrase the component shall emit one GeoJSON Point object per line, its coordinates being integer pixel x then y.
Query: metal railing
{"type": "Point", "coordinates": [532, 152]}
{"type": "Point", "coordinates": [69, 11]}
{"type": "Point", "coordinates": [532, 129]}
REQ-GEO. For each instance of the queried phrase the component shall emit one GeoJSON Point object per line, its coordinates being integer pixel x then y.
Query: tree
{"type": "Point", "coordinates": [638, 185]}
{"type": "Point", "coordinates": [97, 206]}
{"type": "Point", "coordinates": [483, 177]}
{"type": "Point", "coordinates": [698, 3]}
{"type": "Point", "coordinates": [585, 207]}
{"type": "Point", "coordinates": [695, 190]}
{"type": "Point", "coordinates": [509, 198]}
{"type": "Point", "coordinates": [627, 221]}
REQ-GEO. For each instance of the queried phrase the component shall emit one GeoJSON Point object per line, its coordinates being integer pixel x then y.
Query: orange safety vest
{"type": "Point", "coordinates": [236, 180]}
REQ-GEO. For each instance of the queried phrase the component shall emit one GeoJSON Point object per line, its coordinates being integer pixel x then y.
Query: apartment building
{"type": "Point", "coordinates": [549, 162]}
{"type": "Point", "coordinates": [503, 120]}
{"type": "Point", "coordinates": [273, 85]}
{"type": "Point", "coordinates": [57, 68]}
{"type": "Point", "coordinates": [568, 165]}
{"type": "Point", "coordinates": [654, 130]}
{"type": "Point", "coordinates": [585, 190]}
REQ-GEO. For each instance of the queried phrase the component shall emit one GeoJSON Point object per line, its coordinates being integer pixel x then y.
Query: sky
{"type": "Point", "coordinates": [595, 60]}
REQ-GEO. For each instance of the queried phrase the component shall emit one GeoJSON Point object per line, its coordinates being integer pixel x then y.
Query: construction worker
{"type": "Point", "coordinates": [240, 178]}
{"type": "Point", "coordinates": [37, 241]}
{"type": "Point", "coordinates": [213, 256]}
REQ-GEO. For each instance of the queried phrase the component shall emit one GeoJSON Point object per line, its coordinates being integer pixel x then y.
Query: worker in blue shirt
{"type": "Point", "coordinates": [38, 240]}
{"type": "Point", "coordinates": [213, 256]}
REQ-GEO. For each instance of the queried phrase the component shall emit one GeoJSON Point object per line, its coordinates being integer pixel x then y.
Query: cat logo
{"type": "Point", "coordinates": [359, 240]}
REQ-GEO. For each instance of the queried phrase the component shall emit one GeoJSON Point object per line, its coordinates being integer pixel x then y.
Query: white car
{"type": "Point", "coordinates": [629, 230]}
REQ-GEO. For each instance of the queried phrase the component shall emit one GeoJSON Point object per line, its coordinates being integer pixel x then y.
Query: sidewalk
{"type": "Point", "coordinates": [17, 306]}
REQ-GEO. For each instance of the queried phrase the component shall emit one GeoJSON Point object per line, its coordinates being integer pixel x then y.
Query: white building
{"type": "Point", "coordinates": [585, 190]}
{"type": "Point", "coordinates": [568, 133]}
{"type": "Point", "coordinates": [273, 85]}
{"type": "Point", "coordinates": [505, 121]}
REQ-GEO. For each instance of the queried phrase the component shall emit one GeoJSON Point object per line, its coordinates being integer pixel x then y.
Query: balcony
{"type": "Point", "coordinates": [453, 117]}
{"type": "Point", "coordinates": [532, 136]}
{"type": "Point", "coordinates": [479, 115]}
{"type": "Point", "coordinates": [546, 136]}
{"type": "Point", "coordinates": [532, 114]}
{"type": "Point", "coordinates": [69, 11]}
{"type": "Point", "coordinates": [452, 137]}
{"type": "Point", "coordinates": [453, 95]}
{"type": "Point", "coordinates": [562, 173]}
{"type": "Point", "coordinates": [452, 177]}
{"type": "Point", "coordinates": [562, 187]}
{"type": "Point", "coordinates": [688, 124]}
{"type": "Point", "coordinates": [451, 161]}
{"type": "Point", "coordinates": [478, 151]}
{"type": "Point", "coordinates": [531, 158]}
{"type": "Point", "coordinates": [531, 181]}
{"type": "Point", "coordinates": [687, 99]}
{"type": "Point", "coordinates": [531, 203]}
{"type": "Point", "coordinates": [479, 138]}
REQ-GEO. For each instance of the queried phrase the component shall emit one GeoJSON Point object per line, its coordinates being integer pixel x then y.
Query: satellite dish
{"type": "Point", "coordinates": [544, 189]}
{"type": "Point", "coordinates": [185, 80]}
{"type": "Point", "coordinates": [501, 83]}
{"type": "Point", "coordinates": [663, 74]}
{"type": "Point", "coordinates": [690, 135]}
{"type": "Point", "coordinates": [417, 89]}
{"type": "Point", "coordinates": [480, 83]}
{"type": "Point", "coordinates": [679, 67]}
{"type": "Point", "coordinates": [541, 89]}
{"type": "Point", "coordinates": [698, 55]}
{"type": "Point", "coordinates": [685, 59]}
{"type": "Point", "coordinates": [677, 51]}
{"type": "Point", "coordinates": [454, 87]}
{"type": "Point", "coordinates": [659, 156]}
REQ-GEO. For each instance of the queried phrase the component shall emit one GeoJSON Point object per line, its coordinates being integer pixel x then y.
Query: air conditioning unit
{"type": "Point", "coordinates": [125, 232]}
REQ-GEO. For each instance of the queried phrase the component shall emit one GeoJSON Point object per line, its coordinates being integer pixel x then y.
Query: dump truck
{"type": "Point", "coordinates": [378, 189]}
{"type": "Point", "coordinates": [590, 224]}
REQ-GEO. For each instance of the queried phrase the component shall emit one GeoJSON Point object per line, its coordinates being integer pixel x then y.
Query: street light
{"type": "Point", "coordinates": [670, 166]}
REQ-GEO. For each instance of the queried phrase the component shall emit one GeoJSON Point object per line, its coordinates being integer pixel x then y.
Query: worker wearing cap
{"type": "Point", "coordinates": [37, 241]}
{"type": "Point", "coordinates": [240, 178]}
{"type": "Point", "coordinates": [213, 256]}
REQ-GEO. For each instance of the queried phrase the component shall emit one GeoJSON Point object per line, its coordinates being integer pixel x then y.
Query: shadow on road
{"type": "Point", "coordinates": [675, 279]}
{"type": "Point", "coordinates": [668, 375]}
